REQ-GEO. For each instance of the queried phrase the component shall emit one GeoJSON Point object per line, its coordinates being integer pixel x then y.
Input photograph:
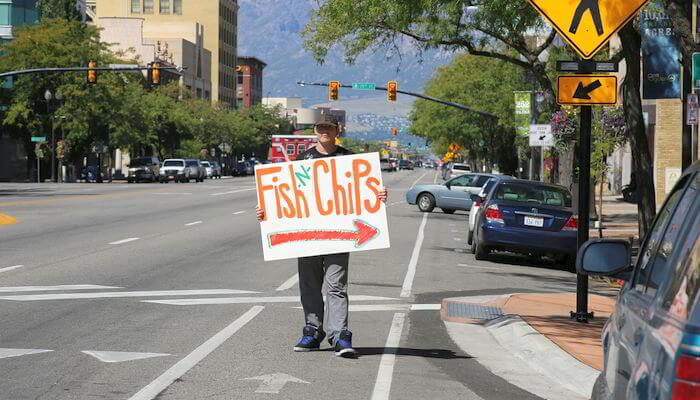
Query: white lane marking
{"type": "Point", "coordinates": [411, 273]}
{"type": "Point", "coordinates": [391, 307]}
{"type": "Point", "coordinates": [194, 223]}
{"type": "Point", "coordinates": [418, 180]}
{"type": "Point", "coordinates": [479, 267]}
{"type": "Point", "coordinates": [6, 269]}
{"type": "Point", "coordinates": [238, 212]}
{"type": "Point", "coordinates": [171, 193]}
{"type": "Point", "coordinates": [435, 178]}
{"type": "Point", "coordinates": [231, 192]}
{"type": "Point", "coordinates": [180, 368]}
{"type": "Point", "coordinates": [7, 289]}
{"type": "Point", "coordinates": [251, 300]}
{"type": "Point", "coordinates": [273, 383]}
{"type": "Point", "coordinates": [127, 240]}
{"type": "Point", "coordinates": [109, 295]}
{"type": "Point", "coordinates": [382, 387]}
{"type": "Point", "coordinates": [288, 283]}
{"type": "Point", "coordinates": [456, 231]}
{"type": "Point", "coordinates": [458, 239]}
{"type": "Point", "coordinates": [394, 203]}
{"type": "Point", "coordinates": [120, 356]}
{"type": "Point", "coordinates": [7, 353]}
{"type": "Point", "coordinates": [426, 307]}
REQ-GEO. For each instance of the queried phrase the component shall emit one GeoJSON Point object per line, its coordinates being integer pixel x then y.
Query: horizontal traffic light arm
{"type": "Point", "coordinates": [83, 69]}
{"type": "Point", "coordinates": [420, 96]}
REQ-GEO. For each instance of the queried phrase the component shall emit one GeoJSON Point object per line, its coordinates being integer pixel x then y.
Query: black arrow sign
{"type": "Point", "coordinates": [582, 92]}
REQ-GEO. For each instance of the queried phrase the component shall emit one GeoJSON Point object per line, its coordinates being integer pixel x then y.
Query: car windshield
{"type": "Point", "coordinates": [205, 164]}
{"type": "Point", "coordinates": [460, 167]}
{"type": "Point", "coordinates": [191, 163]}
{"type": "Point", "coordinates": [139, 162]}
{"type": "Point", "coordinates": [534, 194]}
{"type": "Point", "coordinates": [173, 163]}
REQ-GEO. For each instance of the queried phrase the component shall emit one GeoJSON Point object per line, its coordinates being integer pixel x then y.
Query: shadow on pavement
{"type": "Point", "coordinates": [402, 351]}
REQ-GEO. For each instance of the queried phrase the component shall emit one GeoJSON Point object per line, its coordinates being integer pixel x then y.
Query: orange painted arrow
{"type": "Point", "coordinates": [364, 233]}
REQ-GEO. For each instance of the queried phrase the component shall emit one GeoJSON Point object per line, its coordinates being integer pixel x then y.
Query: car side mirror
{"type": "Point", "coordinates": [476, 198]}
{"type": "Point", "coordinates": [605, 257]}
{"type": "Point", "coordinates": [449, 185]}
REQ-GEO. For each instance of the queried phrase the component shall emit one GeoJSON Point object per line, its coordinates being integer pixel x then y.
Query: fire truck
{"type": "Point", "coordinates": [288, 147]}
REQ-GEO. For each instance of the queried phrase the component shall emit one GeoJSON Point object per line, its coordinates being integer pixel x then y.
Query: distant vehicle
{"type": "Point", "coordinates": [526, 217]}
{"type": "Point", "coordinates": [144, 169]}
{"type": "Point", "coordinates": [243, 168]}
{"type": "Point", "coordinates": [289, 146]}
{"type": "Point", "coordinates": [194, 170]}
{"type": "Point", "coordinates": [418, 164]}
{"type": "Point", "coordinates": [173, 168]}
{"type": "Point", "coordinates": [207, 168]}
{"type": "Point", "coordinates": [651, 342]}
{"type": "Point", "coordinates": [385, 165]}
{"type": "Point", "coordinates": [453, 169]}
{"type": "Point", "coordinates": [483, 194]}
{"type": "Point", "coordinates": [215, 170]}
{"type": "Point", "coordinates": [452, 195]}
{"type": "Point", "coordinates": [405, 164]}
{"type": "Point", "coordinates": [430, 164]}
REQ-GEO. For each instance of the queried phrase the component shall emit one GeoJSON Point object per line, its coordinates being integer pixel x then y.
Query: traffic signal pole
{"type": "Point", "coordinates": [82, 69]}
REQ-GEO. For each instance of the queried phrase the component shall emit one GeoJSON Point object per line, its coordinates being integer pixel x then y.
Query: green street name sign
{"type": "Point", "coordinates": [364, 86]}
{"type": "Point", "coordinates": [696, 71]}
{"type": "Point", "coordinates": [38, 138]}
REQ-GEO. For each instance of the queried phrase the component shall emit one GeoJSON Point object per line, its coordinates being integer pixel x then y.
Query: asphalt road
{"type": "Point", "coordinates": [175, 300]}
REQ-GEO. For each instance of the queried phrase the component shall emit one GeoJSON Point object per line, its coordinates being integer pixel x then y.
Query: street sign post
{"type": "Point", "coordinates": [364, 86]}
{"type": "Point", "coordinates": [588, 24]}
{"type": "Point", "coordinates": [38, 139]}
{"type": "Point", "coordinates": [541, 136]}
{"type": "Point", "coordinates": [587, 90]}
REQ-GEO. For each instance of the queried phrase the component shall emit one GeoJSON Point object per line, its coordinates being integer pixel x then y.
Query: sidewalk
{"type": "Point", "coordinates": [530, 340]}
{"type": "Point", "coordinates": [619, 219]}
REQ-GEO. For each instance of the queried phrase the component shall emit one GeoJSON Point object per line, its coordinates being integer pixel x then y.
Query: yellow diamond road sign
{"type": "Point", "coordinates": [587, 90]}
{"type": "Point", "coordinates": [588, 24]}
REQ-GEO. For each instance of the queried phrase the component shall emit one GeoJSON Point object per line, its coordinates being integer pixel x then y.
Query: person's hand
{"type": "Point", "coordinates": [383, 195]}
{"type": "Point", "coordinates": [260, 213]}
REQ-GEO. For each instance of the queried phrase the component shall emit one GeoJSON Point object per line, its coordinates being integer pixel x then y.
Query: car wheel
{"type": "Point", "coordinates": [426, 202]}
{"type": "Point", "coordinates": [448, 211]}
{"type": "Point", "coordinates": [600, 390]}
{"type": "Point", "coordinates": [480, 251]}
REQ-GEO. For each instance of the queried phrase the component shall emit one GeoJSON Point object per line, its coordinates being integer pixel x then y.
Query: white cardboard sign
{"type": "Point", "coordinates": [321, 206]}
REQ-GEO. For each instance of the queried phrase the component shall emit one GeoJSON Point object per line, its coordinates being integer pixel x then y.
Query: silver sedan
{"type": "Point", "coordinates": [449, 196]}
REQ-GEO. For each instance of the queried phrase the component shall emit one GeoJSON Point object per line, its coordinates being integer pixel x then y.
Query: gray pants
{"type": "Point", "coordinates": [314, 272]}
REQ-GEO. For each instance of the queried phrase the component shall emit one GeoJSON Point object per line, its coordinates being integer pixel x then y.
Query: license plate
{"type": "Point", "coordinates": [532, 221]}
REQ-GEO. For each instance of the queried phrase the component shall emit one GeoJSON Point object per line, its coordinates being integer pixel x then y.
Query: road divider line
{"type": "Point", "coordinates": [251, 300]}
{"type": "Point", "coordinates": [6, 269]}
{"type": "Point", "coordinates": [238, 212]}
{"type": "Point", "coordinates": [458, 239]}
{"type": "Point", "coordinates": [232, 192]}
{"type": "Point", "coordinates": [412, 264]}
{"type": "Point", "coordinates": [11, 289]}
{"type": "Point", "coordinates": [479, 267]}
{"type": "Point", "coordinates": [289, 283]}
{"type": "Point", "coordinates": [391, 307]}
{"type": "Point", "coordinates": [418, 180]}
{"type": "Point", "coordinates": [193, 223]}
{"type": "Point", "coordinates": [180, 368]}
{"type": "Point", "coordinates": [127, 240]}
{"type": "Point", "coordinates": [382, 387]}
{"type": "Point", "coordinates": [110, 295]}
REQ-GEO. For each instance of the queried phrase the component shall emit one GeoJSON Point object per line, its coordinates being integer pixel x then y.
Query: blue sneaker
{"type": "Point", "coordinates": [343, 345]}
{"type": "Point", "coordinates": [311, 339]}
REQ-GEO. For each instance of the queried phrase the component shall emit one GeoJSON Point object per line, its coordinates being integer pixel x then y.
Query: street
{"type": "Point", "coordinates": [126, 291]}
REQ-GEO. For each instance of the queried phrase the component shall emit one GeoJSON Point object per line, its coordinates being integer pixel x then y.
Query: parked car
{"type": "Point", "coordinates": [207, 168]}
{"type": "Point", "coordinates": [194, 170]}
{"type": "Point", "coordinates": [394, 163]}
{"type": "Point", "coordinates": [144, 169]}
{"type": "Point", "coordinates": [452, 195]}
{"type": "Point", "coordinates": [405, 164]}
{"type": "Point", "coordinates": [243, 168]}
{"type": "Point", "coordinates": [172, 168]}
{"type": "Point", "coordinates": [453, 169]}
{"type": "Point", "coordinates": [651, 342]}
{"type": "Point", "coordinates": [215, 170]}
{"type": "Point", "coordinates": [527, 217]}
{"type": "Point", "coordinates": [483, 194]}
{"type": "Point", "coordinates": [418, 164]}
{"type": "Point", "coordinates": [385, 165]}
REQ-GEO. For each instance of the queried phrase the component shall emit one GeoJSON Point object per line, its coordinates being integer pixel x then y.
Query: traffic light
{"type": "Point", "coordinates": [92, 74]}
{"type": "Point", "coordinates": [394, 131]}
{"type": "Point", "coordinates": [333, 90]}
{"type": "Point", "coordinates": [391, 89]}
{"type": "Point", "coordinates": [155, 73]}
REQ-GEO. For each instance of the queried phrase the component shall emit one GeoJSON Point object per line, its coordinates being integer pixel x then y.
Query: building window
{"type": "Point", "coordinates": [148, 6]}
{"type": "Point", "coordinates": [177, 7]}
{"type": "Point", "coordinates": [302, 148]}
{"type": "Point", "coordinates": [240, 79]}
{"type": "Point", "coordinates": [199, 93]}
{"type": "Point", "coordinates": [136, 6]}
{"type": "Point", "coordinates": [5, 14]}
{"type": "Point", "coordinates": [290, 149]}
{"type": "Point", "coordinates": [165, 6]}
{"type": "Point", "coordinates": [206, 94]}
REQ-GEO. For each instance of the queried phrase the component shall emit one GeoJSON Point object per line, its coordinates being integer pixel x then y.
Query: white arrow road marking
{"type": "Point", "coordinates": [288, 283]}
{"type": "Point", "coordinates": [50, 288]}
{"type": "Point", "coordinates": [6, 269]}
{"type": "Point", "coordinates": [7, 353]}
{"type": "Point", "coordinates": [161, 383]}
{"type": "Point", "coordinates": [103, 295]}
{"type": "Point", "coordinates": [273, 383]}
{"type": "Point", "coordinates": [411, 273]}
{"type": "Point", "coordinates": [392, 307]}
{"type": "Point", "coordinates": [194, 223]}
{"type": "Point", "coordinates": [249, 300]}
{"type": "Point", "coordinates": [127, 240]}
{"type": "Point", "coordinates": [382, 387]}
{"type": "Point", "coordinates": [120, 356]}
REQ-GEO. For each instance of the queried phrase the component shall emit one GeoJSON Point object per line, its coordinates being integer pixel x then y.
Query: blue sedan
{"type": "Point", "coordinates": [452, 195]}
{"type": "Point", "coordinates": [527, 217]}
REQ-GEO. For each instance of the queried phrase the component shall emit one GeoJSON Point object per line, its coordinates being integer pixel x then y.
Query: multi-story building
{"type": "Point", "coordinates": [167, 19]}
{"type": "Point", "coordinates": [250, 81]}
{"type": "Point", "coordinates": [16, 13]}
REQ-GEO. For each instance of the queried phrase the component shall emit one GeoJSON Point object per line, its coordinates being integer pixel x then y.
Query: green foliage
{"type": "Point", "coordinates": [61, 9]}
{"type": "Point", "coordinates": [483, 84]}
{"type": "Point", "coordinates": [362, 146]}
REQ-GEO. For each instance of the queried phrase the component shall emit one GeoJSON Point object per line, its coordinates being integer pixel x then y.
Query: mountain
{"type": "Point", "coordinates": [270, 30]}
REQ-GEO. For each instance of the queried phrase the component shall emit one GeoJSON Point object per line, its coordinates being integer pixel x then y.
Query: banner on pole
{"type": "Point", "coordinates": [523, 109]}
{"type": "Point", "coordinates": [321, 206]}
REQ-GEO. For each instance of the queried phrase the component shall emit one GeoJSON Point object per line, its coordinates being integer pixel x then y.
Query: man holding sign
{"type": "Point", "coordinates": [319, 209]}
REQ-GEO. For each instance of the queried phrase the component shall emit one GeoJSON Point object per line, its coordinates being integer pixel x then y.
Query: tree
{"type": "Point", "coordinates": [62, 9]}
{"type": "Point", "coordinates": [484, 84]}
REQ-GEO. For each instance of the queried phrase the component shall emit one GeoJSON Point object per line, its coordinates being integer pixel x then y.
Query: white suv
{"type": "Point", "coordinates": [173, 168]}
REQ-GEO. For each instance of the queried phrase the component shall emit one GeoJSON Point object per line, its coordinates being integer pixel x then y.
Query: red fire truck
{"type": "Point", "coordinates": [288, 147]}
